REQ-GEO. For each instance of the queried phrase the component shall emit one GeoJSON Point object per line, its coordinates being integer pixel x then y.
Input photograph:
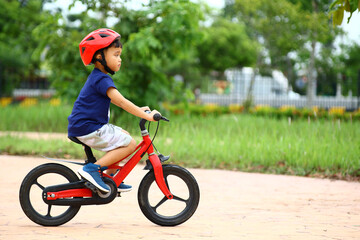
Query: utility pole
{"type": "Point", "coordinates": [358, 90]}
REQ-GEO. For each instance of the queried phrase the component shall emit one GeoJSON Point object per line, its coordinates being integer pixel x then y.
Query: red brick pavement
{"type": "Point", "coordinates": [233, 205]}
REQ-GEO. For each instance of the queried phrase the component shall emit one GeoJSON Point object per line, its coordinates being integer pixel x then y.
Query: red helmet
{"type": "Point", "coordinates": [96, 40]}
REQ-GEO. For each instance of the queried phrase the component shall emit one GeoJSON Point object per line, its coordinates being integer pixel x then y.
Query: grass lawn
{"type": "Point", "coordinates": [243, 142]}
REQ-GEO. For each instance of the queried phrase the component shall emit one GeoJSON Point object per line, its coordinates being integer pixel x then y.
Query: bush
{"type": "Point", "coordinates": [235, 108]}
{"type": "Point", "coordinates": [337, 112]}
{"type": "Point", "coordinates": [263, 110]}
{"type": "Point", "coordinates": [185, 108]}
{"type": "Point", "coordinates": [355, 115]}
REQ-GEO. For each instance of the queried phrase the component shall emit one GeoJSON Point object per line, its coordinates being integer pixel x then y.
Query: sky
{"type": "Point", "coordinates": [352, 28]}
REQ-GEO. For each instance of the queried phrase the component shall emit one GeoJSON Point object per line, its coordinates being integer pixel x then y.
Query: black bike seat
{"type": "Point", "coordinates": [74, 139]}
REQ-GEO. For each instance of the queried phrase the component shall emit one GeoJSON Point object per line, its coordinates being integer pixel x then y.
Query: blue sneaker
{"type": "Point", "coordinates": [124, 187]}
{"type": "Point", "coordinates": [91, 172]}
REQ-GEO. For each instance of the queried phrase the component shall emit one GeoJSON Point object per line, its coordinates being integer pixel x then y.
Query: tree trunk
{"type": "Point", "coordinates": [249, 96]}
{"type": "Point", "coordinates": [311, 85]}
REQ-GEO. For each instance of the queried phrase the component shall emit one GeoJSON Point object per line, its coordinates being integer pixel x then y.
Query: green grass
{"type": "Point", "coordinates": [50, 148]}
{"type": "Point", "coordinates": [42, 118]}
{"type": "Point", "coordinates": [237, 142]}
{"type": "Point", "coordinates": [251, 143]}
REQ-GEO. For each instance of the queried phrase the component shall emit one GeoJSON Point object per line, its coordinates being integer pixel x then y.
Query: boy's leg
{"type": "Point", "coordinates": [113, 171]}
{"type": "Point", "coordinates": [117, 154]}
{"type": "Point", "coordinates": [101, 139]}
{"type": "Point", "coordinates": [91, 171]}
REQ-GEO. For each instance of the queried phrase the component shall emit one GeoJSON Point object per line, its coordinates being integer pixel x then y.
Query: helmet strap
{"type": "Point", "coordinates": [103, 62]}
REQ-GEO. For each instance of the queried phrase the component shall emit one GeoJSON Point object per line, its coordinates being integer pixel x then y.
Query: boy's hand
{"type": "Point", "coordinates": [146, 108]}
{"type": "Point", "coordinates": [151, 115]}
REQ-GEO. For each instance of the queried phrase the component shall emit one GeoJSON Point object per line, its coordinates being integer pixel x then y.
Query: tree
{"type": "Point", "coordinates": [351, 60]}
{"type": "Point", "coordinates": [152, 37]}
{"type": "Point", "coordinates": [338, 7]}
{"type": "Point", "coordinates": [226, 45]}
{"type": "Point", "coordinates": [318, 34]}
{"type": "Point", "coordinates": [329, 68]}
{"type": "Point", "coordinates": [286, 29]}
{"type": "Point", "coordinates": [171, 33]}
{"type": "Point", "coordinates": [17, 45]}
{"type": "Point", "coordinates": [276, 26]}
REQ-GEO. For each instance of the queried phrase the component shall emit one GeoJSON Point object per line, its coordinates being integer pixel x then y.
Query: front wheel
{"type": "Point", "coordinates": [31, 194]}
{"type": "Point", "coordinates": [163, 211]}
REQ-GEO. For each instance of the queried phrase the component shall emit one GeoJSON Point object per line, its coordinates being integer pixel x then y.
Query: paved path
{"type": "Point", "coordinates": [233, 205]}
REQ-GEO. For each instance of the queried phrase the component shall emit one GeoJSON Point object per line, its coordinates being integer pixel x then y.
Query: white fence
{"type": "Point", "coordinates": [33, 92]}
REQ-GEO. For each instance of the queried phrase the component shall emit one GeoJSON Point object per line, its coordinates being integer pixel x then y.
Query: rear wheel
{"type": "Point", "coordinates": [31, 191]}
{"type": "Point", "coordinates": [158, 208]}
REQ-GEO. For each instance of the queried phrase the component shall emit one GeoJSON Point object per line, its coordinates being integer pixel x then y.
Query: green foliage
{"type": "Point", "coordinates": [264, 111]}
{"type": "Point", "coordinates": [226, 45]}
{"type": "Point", "coordinates": [351, 60]}
{"type": "Point", "coordinates": [168, 38]}
{"type": "Point", "coordinates": [60, 42]}
{"type": "Point", "coordinates": [171, 32]}
{"type": "Point", "coordinates": [17, 44]}
{"type": "Point", "coordinates": [301, 24]}
{"type": "Point", "coordinates": [152, 37]}
{"type": "Point", "coordinates": [338, 7]}
{"type": "Point", "coordinates": [297, 26]}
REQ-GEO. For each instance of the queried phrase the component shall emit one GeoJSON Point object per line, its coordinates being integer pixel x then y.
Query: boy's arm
{"type": "Point", "coordinates": [120, 101]}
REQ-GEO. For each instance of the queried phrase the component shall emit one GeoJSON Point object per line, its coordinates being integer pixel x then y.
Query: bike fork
{"type": "Point", "coordinates": [159, 175]}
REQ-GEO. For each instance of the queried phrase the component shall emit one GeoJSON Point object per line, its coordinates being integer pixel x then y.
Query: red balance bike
{"type": "Point", "coordinates": [52, 194]}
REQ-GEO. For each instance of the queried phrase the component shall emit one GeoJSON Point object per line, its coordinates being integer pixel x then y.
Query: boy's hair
{"type": "Point", "coordinates": [116, 43]}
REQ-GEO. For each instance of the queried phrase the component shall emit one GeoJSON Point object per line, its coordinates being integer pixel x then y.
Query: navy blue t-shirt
{"type": "Point", "coordinates": [91, 108]}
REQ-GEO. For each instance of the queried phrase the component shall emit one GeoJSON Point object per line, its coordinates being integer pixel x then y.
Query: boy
{"type": "Point", "coordinates": [89, 119]}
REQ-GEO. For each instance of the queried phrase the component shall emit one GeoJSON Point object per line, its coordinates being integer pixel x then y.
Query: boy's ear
{"type": "Point", "coordinates": [98, 56]}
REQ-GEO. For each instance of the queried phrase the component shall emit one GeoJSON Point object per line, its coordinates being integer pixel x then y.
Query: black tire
{"type": "Point", "coordinates": [30, 194]}
{"type": "Point", "coordinates": [182, 185]}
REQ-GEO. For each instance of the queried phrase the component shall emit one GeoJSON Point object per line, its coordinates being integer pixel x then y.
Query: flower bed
{"type": "Point", "coordinates": [265, 110]}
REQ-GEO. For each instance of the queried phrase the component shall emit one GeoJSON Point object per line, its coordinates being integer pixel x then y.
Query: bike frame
{"type": "Point", "coordinates": [145, 146]}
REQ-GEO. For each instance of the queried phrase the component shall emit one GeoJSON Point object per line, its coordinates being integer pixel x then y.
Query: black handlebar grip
{"type": "Point", "coordinates": [157, 117]}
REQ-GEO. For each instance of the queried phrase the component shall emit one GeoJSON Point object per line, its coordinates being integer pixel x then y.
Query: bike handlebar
{"type": "Point", "coordinates": [157, 117]}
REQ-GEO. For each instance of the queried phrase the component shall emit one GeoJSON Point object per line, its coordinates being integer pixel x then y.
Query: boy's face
{"type": "Point", "coordinates": [113, 58]}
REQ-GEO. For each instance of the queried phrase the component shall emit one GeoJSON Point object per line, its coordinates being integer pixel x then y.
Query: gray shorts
{"type": "Point", "coordinates": [106, 138]}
